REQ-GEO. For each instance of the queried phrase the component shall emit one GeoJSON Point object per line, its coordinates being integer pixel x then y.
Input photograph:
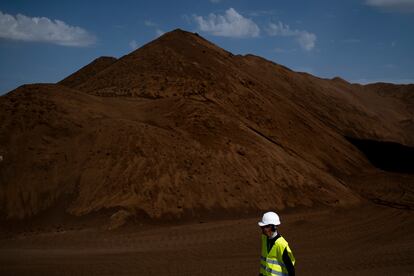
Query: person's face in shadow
{"type": "Point", "coordinates": [267, 230]}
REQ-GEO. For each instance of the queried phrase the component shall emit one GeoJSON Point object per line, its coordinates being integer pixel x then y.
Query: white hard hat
{"type": "Point", "coordinates": [269, 218]}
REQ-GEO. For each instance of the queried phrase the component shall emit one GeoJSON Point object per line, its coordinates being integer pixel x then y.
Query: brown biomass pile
{"type": "Point", "coordinates": [181, 127]}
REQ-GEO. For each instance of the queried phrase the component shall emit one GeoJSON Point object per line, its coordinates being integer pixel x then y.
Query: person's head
{"type": "Point", "coordinates": [269, 222]}
{"type": "Point", "coordinates": [268, 230]}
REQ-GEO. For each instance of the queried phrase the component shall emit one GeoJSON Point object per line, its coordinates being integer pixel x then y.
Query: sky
{"type": "Point", "coordinates": [361, 41]}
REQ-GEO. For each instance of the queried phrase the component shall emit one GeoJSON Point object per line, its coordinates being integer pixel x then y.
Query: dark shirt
{"type": "Point", "coordinates": [286, 259]}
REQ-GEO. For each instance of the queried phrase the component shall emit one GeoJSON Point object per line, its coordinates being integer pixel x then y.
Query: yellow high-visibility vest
{"type": "Point", "coordinates": [271, 263]}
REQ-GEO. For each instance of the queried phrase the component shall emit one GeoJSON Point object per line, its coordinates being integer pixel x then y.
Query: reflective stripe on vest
{"type": "Point", "coordinates": [273, 272]}
{"type": "Point", "coordinates": [271, 261]}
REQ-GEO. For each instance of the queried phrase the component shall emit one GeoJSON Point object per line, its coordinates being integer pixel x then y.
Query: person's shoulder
{"type": "Point", "coordinates": [280, 239]}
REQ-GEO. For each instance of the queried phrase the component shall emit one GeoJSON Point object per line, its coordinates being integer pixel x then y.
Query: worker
{"type": "Point", "coordinates": [277, 258]}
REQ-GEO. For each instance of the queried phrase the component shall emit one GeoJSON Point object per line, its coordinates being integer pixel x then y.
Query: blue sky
{"type": "Point", "coordinates": [359, 40]}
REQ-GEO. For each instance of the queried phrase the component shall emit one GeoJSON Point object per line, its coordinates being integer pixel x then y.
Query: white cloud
{"type": "Point", "coordinates": [231, 24]}
{"type": "Point", "coordinates": [133, 44]}
{"type": "Point", "coordinates": [280, 29]}
{"type": "Point", "coordinates": [392, 5]}
{"type": "Point", "coordinates": [42, 29]}
{"type": "Point", "coordinates": [305, 39]}
{"type": "Point", "coordinates": [215, 1]}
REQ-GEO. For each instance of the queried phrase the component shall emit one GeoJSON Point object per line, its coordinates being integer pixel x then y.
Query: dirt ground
{"type": "Point", "coordinates": [366, 240]}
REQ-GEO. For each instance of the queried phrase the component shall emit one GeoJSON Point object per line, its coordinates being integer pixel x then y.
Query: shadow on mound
{"type": "Point", "coordinates": [387, 156]}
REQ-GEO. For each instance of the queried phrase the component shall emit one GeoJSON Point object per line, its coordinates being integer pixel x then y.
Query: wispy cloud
{"type": "Point", "coordinates": [306, 39]}
{"type": "Point", "coordinates": [154, 26]}
{"type": "Point", "coordinates": [149, 23]}
{"type": "Point", "coordinates": [231, 24]}
{"type": "Point", "coordinates": [392, 5]}
{"type": "Point", "coordinates": [42, 29]}
{"type": "Point", "coordinates": [215, 1]}
{"type": "Point", "coordinates": [133, 45]}
{"type": "Point", "coordinates": [159, 32]}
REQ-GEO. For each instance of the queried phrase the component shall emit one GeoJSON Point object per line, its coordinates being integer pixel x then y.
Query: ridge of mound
{"type": "Point", "coordinates": [88, 71]}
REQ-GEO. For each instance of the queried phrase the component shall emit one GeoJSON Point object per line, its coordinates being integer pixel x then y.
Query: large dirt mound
{"type": "Point", "coordinates": [181, 126]}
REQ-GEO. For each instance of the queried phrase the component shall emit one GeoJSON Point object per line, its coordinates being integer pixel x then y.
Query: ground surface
{"type": "Point", "coordinates": [367, 240]}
